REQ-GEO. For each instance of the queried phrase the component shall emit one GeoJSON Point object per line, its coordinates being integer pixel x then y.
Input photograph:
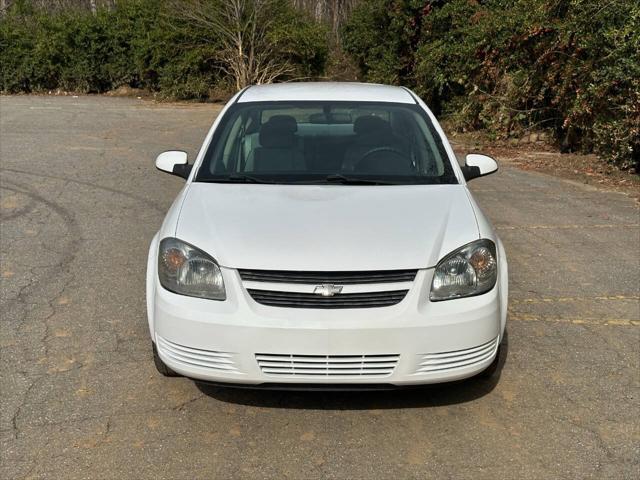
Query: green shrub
{"type": "Point", "coordinates": [301, 42]}
{"type": "Point", "coordinates": [381, 37]}
{"type": "Point", "coordinates": [508, 66]}
{"type": "Point", "coordinates": [139, 43]}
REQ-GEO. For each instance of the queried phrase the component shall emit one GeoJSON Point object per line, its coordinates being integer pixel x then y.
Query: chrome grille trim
{"type": "Point", "coordinates": [340, 278]}
{"type": "Point", "coordinates": [221, 361]}
{"type": "Point", "coordinates": [445, 361]}
{"type": "Point", "coordinates": [327, 365]}
{"type": "Point", "coordinates": [343, 300]}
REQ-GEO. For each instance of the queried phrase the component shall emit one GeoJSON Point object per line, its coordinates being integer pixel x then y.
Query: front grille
{"type": "Point", "coordinates": [444, 361]}
{"type": "Point", "coordinates": [342, 300]}
{"type": "Point", "coordinates": [219, 361]}
{"type": "Point", "coordinates": [327, 365]}
{"type": "Point", "coordinates": [340, 278]}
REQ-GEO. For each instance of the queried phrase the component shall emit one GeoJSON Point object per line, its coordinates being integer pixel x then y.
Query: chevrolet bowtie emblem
{"type": "Point", "coordinates": [327, 290]}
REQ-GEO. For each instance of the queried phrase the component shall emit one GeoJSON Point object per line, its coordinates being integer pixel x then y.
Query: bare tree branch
{"type": "Point", "coordinates": [241, 27]}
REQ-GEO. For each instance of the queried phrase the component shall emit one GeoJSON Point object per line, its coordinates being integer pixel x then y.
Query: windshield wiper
{"type": "Point", "coordinates": [236, 178]}
{"type": "Point", "coordinates": [334, 178]}
{"type": "Point", "coordinates": [344, 180]}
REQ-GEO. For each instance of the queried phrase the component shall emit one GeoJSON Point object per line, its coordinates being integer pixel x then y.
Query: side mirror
{"type": "Point", "coordinates": [477, 165]}
{"type": "Point", "coordinates": [174, 162]}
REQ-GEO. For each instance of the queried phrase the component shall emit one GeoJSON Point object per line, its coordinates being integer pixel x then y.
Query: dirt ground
{"type": "Point", "coordinates": [546, 158]}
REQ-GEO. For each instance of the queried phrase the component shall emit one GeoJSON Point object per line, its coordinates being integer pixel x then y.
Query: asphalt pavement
{"type": "Point", "coordinates": [80, 398]}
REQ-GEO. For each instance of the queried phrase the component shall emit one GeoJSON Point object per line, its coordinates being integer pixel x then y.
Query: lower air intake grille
{"type": "Point", "coordinates": [327, 365]}
{"type": "Point", "coordinates": [341, 278]}
{"type": "Point", "coordinates": [196, 357]}
{"type": "Point", "coordinates": [445, 361]}
{"type": "Point", "coordinates": [343, 300]}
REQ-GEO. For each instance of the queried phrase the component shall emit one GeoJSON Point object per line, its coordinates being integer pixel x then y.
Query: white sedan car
{"type": "Point", "coordinates": [326, 238]}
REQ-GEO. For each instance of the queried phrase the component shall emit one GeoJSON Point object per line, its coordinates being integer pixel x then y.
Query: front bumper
{"type": "Point", "coordinates": [239, 341]}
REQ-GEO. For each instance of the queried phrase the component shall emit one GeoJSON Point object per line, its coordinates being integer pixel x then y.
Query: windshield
{"type": "Point", "coordinates": [326, 142]}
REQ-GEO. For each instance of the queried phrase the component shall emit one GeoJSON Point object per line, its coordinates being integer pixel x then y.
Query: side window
{"type": "Point", "coordinates": [432, 163]}
{"type": "Point", "coordinates": [302, 115]}
{"type": "Point", "coordinates": [376, 112]}
{"type": "Point", "coordinates": [230, 152]}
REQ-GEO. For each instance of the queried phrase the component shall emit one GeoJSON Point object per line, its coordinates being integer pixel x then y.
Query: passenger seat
{"type": "Point", "coordinates": [278, 150]}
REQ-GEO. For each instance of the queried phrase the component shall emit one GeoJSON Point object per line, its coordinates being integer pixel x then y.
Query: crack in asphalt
{"type": "Point", "coordinates": [123, 193]}
{"type": "Point", "coordinates": [74, 241]}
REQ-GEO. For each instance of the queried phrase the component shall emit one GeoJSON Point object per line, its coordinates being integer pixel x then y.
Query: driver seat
{"type": "Point", "coordinates": [372, 132]}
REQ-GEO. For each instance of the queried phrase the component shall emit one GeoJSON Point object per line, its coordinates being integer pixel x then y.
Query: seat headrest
{"type": "Point", "coordinates": [285, 121]}
{"type": "Point", "coordinates": [278, 132]}
{"type": "Point", "coordinates": [368, 124]}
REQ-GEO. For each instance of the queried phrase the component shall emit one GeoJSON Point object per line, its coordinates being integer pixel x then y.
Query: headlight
{"type": "Point", "coordinates": [470, 270]}
{"type": "Point", "coordinates": [184, 269]}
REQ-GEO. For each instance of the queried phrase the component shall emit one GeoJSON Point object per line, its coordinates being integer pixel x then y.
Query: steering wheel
{"type": "Point", "coordinates": [393, 150]}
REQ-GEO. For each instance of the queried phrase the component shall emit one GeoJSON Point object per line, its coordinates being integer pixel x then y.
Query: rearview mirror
{"type": "Point", "coordinates": [477, 165]}
{"type": "Point", "coordinates": [174, 162]}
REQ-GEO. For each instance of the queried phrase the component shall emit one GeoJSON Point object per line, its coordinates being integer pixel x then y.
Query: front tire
{"type": "Point", "coordinates": [160, 365]}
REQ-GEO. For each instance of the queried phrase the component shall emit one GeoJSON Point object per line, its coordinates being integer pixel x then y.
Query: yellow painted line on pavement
{"type": "Point", "coordinates": [617, 322]}
{"type": "Point", "coordinates": [568, 226]}
{"type": "Point", "coordinates": [516, 301]}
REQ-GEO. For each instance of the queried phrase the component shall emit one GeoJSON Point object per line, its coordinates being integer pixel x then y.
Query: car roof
{"type": "Point", "coordinates": [326, 91]}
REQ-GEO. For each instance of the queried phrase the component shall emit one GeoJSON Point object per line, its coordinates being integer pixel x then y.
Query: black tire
{"type": "Point", "coordinates": [490, 371]}
{"type": "Point", "coordinates": [160, 365]}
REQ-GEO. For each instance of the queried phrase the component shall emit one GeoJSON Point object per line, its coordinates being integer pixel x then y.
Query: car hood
{"type": "Point", "coordinates": [326, 227]}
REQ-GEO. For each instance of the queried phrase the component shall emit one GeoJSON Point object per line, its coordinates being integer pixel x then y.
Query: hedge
{"type": "Point", "coordinates": [509, 66]}
{"type": "Point", "coordinates": [139, 43]}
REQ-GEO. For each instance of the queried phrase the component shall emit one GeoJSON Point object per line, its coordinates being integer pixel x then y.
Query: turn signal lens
{"type": "Point", "coordinates": [187, 270]}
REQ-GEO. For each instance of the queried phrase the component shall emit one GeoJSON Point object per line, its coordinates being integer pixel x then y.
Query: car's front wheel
{"type": "Point", "coordinates": [160, 365]}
